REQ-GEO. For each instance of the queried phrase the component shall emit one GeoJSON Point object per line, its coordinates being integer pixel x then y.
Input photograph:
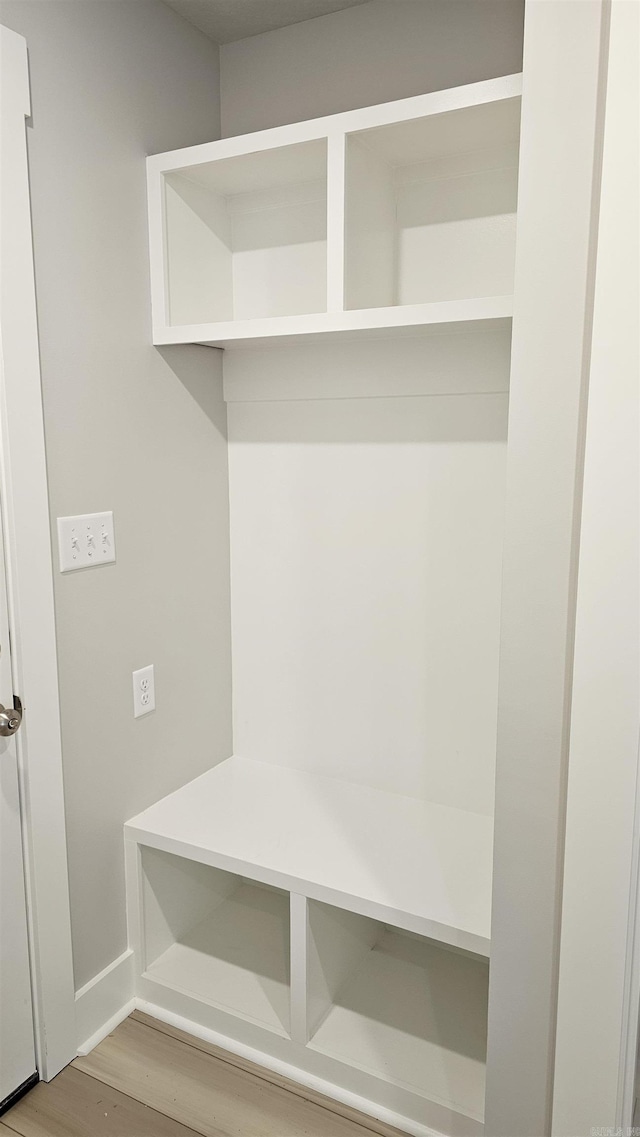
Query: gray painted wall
{"type": "Point", "coordinates": [128, 428]}
{"type": "Point", "coordinates": [388, 49]}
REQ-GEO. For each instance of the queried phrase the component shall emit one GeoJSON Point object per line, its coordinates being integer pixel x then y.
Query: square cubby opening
{"type": "Point", "coordinates": [401, 1007]}
{"type": "Point", "coordinates": [246, 237]}
{"type": "Point", "coordinates": [431, 207]}
{"type": "Point", "coordinates": [217, 937]}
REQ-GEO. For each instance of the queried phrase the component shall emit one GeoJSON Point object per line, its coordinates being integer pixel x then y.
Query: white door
{"type": "Point", "coordinates": [29, 584]}
{"type": "Point", "coordinates": [17, 1050]}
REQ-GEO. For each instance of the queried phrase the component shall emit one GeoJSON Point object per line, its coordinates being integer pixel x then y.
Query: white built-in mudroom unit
{"type": "Point", "coordinates": [321, 901]}
{"type": "Point", "coordinates": [324, 896]}
{"type": "Point", "coordinates": [363, 427]}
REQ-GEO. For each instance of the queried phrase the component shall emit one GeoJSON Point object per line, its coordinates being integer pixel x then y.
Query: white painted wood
{"type": "Point", "coordinates": [280, 255]}
{"type": "Point", "coordinates": [217, 938]}
{"type": "Point", "coordinates": [17, 1043]}
{"type": "Point", "coordinates": [282, 261]}
{"type": "Point", "coordinates": [299, 944]}
{"type": "Point", "coordinates": [366, 631]}
{"type": "Point", "coordinates": [469, 128]}
{"type": "Point", "coordinates": [104, 1002]}
{"type": "Point", "coordinates": [449, 364]}
{"type": "Point", "coordinates": [366, 546]}
{"type": "Point", "coordinates": [370, 237]}
{"type": "Point", "coordinates": [107, 1027]}
{"type": "Point", "coordinates": [601, 852]}
{"type": "Point", "coordinates": [416, 1015]}
{"type": "Point", "coordinates": [29, 576]}
{"type": "Point", "coordinates": [338, 944]}
{"type": "Point", "coordinates": [176, 896]}
{"type": "Point", "coordinates": [456, 236]}
{"type": "Point", "coordinates": [324, 1078]}
{"type": "Point", "coordinates": [410, 319]}
{"type": "Point", "coordinates": [336, 206]}
{"type": "Point", "coordinates": [246, 237]}
{"type": "Point", "coordinates": [198, 252]}
{"type": "Point", "coordinates": [334, 841]}
{"type": "Point", "coordinates": [431, 208]}
{"type": "Point", "coordinates": [255, 169]}
{"type": "Point", "coordinates": [549, 378]}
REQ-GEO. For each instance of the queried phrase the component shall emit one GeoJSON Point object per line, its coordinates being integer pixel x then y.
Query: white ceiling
{"type": "Point", "coordinates": [228, 20]}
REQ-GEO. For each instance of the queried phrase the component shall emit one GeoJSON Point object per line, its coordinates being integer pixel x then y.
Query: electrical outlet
{"type": "Point", "coordinates": [144, 691]}
{"type": "Point", "coordinates": [86, 541]}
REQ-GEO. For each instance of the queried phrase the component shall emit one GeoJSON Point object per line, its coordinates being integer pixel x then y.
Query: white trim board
{"type": "Point", "coordinates": [600, 889]}
{"type": "Point", "coordinates": [30, 584]}
{"type": "Point", "coordinates": [557, 217]}
{"type": "Point", "coordinates": [442, 316]}
{"type": "Point", "coordinates": [100, 996]}
{"type": "Point", "coordinates": [104, 1002]}
{"type": "Point", "coordinates": [302, 1077]}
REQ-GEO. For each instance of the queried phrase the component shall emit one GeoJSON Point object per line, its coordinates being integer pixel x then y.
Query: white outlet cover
{"type": "Point", "coordinates": [144, 691]}
{"type": "Point", "coordinates": [86, 541]}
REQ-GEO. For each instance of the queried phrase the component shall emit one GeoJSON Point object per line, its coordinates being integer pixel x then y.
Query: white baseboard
{"type": "Point", "coordinates": [303, 1078]}
{"type": "Point", "coordinates": [108, 999]}
{"type": "Point", "coordinates": [104, 1002]}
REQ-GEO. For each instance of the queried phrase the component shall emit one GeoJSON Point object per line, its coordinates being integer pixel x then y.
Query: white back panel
{"type": "Point", "coordinates": [280, 254]}
{"type": "Point", "coordinates": [366, 549]}
{"type": "Point", "coordinates": [456, 236]}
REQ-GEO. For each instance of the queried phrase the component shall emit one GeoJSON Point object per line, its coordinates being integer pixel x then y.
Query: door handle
{"type": "Point", "coordinates": [10, 719]}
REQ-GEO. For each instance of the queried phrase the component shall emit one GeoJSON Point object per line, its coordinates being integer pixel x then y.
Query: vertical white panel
{"type": "Point", "coordinates": [370, 229]}
{"type": "Point", "coordinates": [594, 999]}
{"type": "Point", "coordinates": [366, 553]}
{"type": "Point", "coordinates": [553, 284]}
{"type": "Point", "coordinates": [198, 253]}
{"type": "Point", "coordinates": [338, 942]}
{"type": "Point", "coordinates": [336, 209]}
{"type": "Point", "coordinates": [299, 946]}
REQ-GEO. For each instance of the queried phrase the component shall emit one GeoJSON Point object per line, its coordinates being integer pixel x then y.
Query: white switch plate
{"type": "Point", "coordinates": [144, 691]}
{"type": "Point", "coordinates": [86, 541]}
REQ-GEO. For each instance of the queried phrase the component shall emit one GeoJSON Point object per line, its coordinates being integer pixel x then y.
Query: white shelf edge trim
{"type": "Point", "coordinates": [448, 315]}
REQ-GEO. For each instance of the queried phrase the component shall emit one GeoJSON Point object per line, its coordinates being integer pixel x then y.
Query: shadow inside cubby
{"type": "Point", "coordinates": [399, 1006]}
{"type": "Point", "coordinates": [217, 937]}
{"type": "Point", "coordinates": [246, 236]}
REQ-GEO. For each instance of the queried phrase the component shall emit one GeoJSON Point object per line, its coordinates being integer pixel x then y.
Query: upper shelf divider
{"type": "Point", "coordinates": [383, 218]}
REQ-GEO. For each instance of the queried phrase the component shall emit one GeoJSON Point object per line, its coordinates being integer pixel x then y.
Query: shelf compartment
{"type": "Point", "coordinates": [246, 237]}
{"type": "Point", "coordinates": [415, 864]}
{"type": "Point", "coordinates": [399, 1007]}
{"type": "Point", "coordinates": [431, 207]}
{"type": "Point", "coordinates": [217, 937]}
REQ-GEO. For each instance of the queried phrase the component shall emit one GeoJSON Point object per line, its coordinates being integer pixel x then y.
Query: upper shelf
{"type": "Point", "coordinates": [410, 863]}
{"type": "Point", "coordinates": [384, 219]}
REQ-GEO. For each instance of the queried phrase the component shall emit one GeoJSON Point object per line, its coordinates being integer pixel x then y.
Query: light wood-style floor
{"type": "Point", "coordinates": [150, 1080]}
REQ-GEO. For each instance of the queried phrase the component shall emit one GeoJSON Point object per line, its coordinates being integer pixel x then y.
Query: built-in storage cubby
{"type": "Point", "coordinates": [431, 207]}
{"type": "Point", "coordinates": [398, 1006]}
{"type": "Point", "coordinates": [246, 236]}
{"type": "Point", "coordinates": [216, 937]}
{"type": "Point", "coordinates": [395, 217]}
